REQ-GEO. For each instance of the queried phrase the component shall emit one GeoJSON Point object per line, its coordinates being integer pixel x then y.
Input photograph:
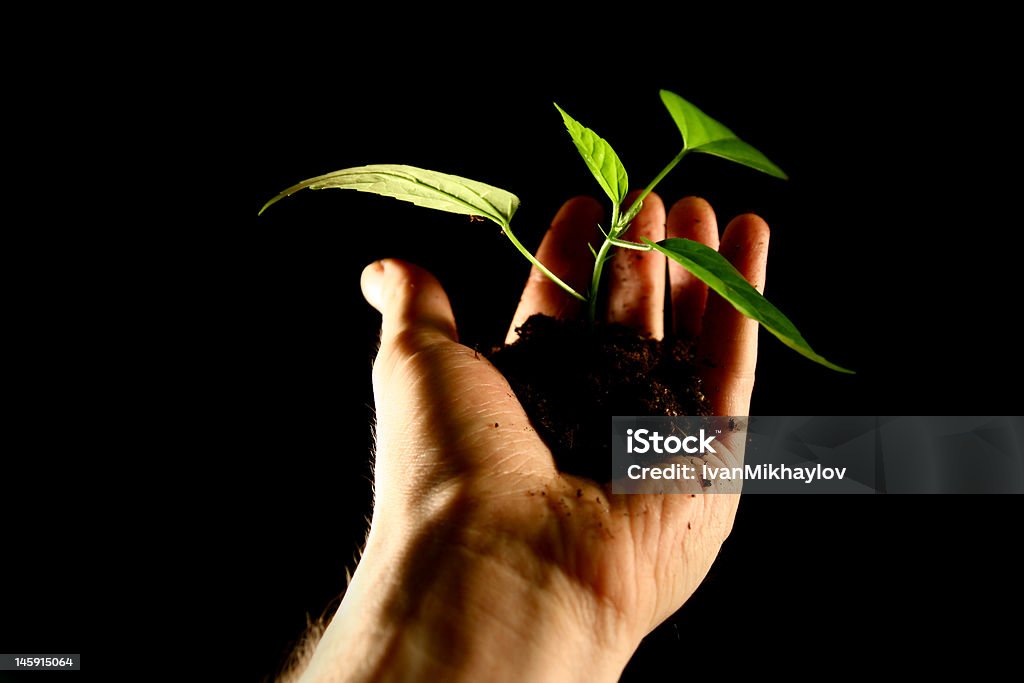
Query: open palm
{"type": "Point", "coordinates": [463, 481]}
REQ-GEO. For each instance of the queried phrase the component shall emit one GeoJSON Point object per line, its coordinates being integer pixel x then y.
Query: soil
{"type": "Point", "coordinates": [572, 377]}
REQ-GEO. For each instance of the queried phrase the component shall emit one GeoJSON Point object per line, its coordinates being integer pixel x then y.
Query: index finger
{"type": "Point", "coordinates": [563, 251]}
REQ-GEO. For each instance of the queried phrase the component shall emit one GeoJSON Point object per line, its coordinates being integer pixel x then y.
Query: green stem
{"type": "Point", "coordinates": [620, 223]}
{"type": "Point", "coordinates": [651, 185]}
{"type": "Point", "coordinates": [626, 244]}
{"type": "Point", "coordinates": [596, 281]}
{"type": "Point", "coordinates": [540, 266]}
{"type": "Point", "coordinates": [599, 259]}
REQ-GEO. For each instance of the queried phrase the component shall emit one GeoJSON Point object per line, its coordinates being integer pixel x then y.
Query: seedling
{"type": "Point", "coordinates": [700, 133]}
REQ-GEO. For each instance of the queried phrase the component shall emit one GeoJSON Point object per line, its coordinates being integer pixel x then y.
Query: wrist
{"type": "Point", "coordinates": [456, 609]}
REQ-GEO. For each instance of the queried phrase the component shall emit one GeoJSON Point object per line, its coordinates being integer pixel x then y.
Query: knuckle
{"type": "Point", "coordinates": [410, 348]}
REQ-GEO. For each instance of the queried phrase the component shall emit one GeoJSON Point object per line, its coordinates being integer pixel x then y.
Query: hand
{"type": "Point", "coordinates": [483, 561]}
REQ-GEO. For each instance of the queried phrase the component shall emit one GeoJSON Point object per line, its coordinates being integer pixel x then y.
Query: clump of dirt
{"type": "Point", "coordinates": [572, 377]}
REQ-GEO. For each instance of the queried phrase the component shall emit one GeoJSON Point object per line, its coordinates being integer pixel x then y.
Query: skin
{"type": "Point", "coordinates": [483, 562]}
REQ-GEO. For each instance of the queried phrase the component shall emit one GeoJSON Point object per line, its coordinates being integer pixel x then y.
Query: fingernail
{"type": "Point", "coordinates": [372, 283]}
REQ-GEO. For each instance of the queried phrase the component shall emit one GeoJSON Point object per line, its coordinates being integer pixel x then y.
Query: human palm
{"type": "Point", "coordinates": [468, 497]}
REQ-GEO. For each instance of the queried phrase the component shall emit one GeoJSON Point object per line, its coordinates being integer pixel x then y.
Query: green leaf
{"type": "Point", "coordinates": [421, 187]}
{"type": "Point", "coordinates": [720, 275]}
{"type": "Point", "coordinates": [701, 133]}
{"type": "Point", "coordinates": [601, 159]}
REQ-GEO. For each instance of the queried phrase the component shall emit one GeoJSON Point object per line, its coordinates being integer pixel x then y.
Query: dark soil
{"type": "Point", "coordinates": [572, 377]}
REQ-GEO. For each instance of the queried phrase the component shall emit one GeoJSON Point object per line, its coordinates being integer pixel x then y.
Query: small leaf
{"type": "Point", "coordinates": [601, 159]}
{"type": "Point", "coordinates": [421, 187]}
{"type": "Point", "coordinates": [720, 275]}
{"type": "Point", "coordinates": [701, 133]}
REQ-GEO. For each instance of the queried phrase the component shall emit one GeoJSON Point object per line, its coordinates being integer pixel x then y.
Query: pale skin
{"type": "Point", "coordinates": [483, 562]}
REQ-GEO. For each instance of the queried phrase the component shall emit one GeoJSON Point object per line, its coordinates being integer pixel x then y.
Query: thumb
{"type": "Point", "coordinates": [437, 403]}
{"type": "Point", "coordinates": [417, 335]}
{"type": "Point", "coordinates": [415, 309]}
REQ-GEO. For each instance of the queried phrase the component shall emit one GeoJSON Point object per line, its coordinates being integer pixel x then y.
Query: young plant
{"type": "Point", "coordinates": [700, 133]}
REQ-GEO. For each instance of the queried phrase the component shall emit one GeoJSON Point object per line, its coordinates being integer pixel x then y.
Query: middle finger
{"type": "Point", "coordinates": [637, 287]}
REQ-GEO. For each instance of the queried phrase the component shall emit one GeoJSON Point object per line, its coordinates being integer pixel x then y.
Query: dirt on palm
{"type": "Point", "coordinates": [572, 377]}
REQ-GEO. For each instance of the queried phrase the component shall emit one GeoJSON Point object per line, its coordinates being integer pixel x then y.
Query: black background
{"type": "Point", "coordinates": [895, 250]}
{"type": "Point", "coordinates": [890, 250]}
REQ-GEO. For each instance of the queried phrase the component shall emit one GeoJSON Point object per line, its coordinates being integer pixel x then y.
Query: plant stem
{"type": "Point", "coordinates": [620, 223]}
{"type": "Point", "coordinates": [651, 185]}
{"type": "Point", "coordinates": [596, 281]}
{"type": "Point", "coordinates": [540, 266]}
{"type": "Point", "coordinates": [599, 258]}
{"type": "Point", "coordinates": [626, 244]}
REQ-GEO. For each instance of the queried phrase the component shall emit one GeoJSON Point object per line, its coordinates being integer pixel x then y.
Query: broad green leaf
{"type": "Point", "coordinates": [720, 275]}
{"type": "Point", "coordinates": [421, 187]}
{"type": "Point", "coordinates": [601, 159]}
{"type": "Point", "coordinates": [701, 133]}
